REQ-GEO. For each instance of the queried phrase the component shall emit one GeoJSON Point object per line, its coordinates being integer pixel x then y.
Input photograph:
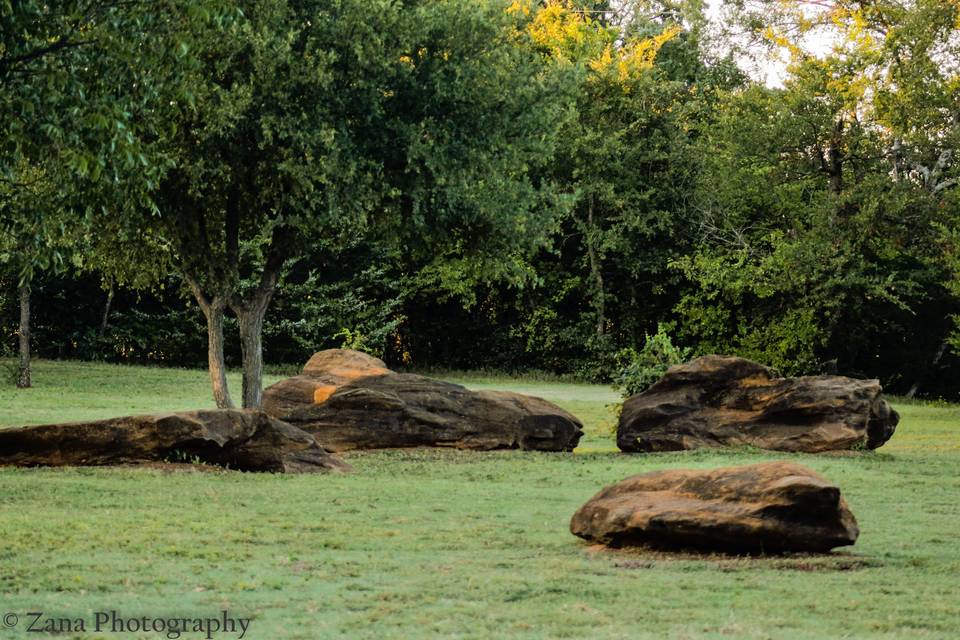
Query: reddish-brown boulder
{"type": "Point", "coordinates": [325, 372]}
{"type": "Point", "coordinates": [768, 507]}
{"type": "Point", "coordinates": [242, 440]}
{"type": "Point", "coordinates": [717, 401]}
{"type": "Point", "coordinates": [349, 400]}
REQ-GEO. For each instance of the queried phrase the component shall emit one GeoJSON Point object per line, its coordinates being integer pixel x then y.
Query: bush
{"type": "Point", "coordinates": [645, 367]}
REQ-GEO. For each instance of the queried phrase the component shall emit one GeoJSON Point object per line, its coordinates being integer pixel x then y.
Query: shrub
{"type": "Point", "coordinates": [645, 367]}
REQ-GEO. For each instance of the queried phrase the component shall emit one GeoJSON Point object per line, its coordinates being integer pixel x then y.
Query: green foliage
{"type": "Point", "coordinates": [75, 112]}
{"type": "Point", "coordinates": [643, 368]}
{"type": "Point", "coordinates": [801, 233]}
{"type": "Point", "coordinates": [948, 236]}
{"type": "Point", "coordinates": [353, 340]}
{"type": "Point", "coordinates": [623, 159]}
{"type": "Point", "coordinates": [523, 185]}
{"type": "Point", "coordinates": [362, 311]}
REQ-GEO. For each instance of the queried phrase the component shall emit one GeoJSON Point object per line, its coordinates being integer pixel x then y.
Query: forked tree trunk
{"type": "Point", "coordinates": [251, 311]}
{"type": "Point", "coordinates": [23, 372]}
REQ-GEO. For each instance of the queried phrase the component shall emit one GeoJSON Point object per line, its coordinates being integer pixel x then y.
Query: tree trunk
{"type": "Point", "coordinates": [836, 170]}
{"type": "Point", "coordinates": [251, 343]}
{"type": "Point", "coordinates": [835, 159]}
{"type": "Point", "coordinates": [215, 361]}
{"type": "Point", "coordinates": [214, 310]}
{"type": "Point", "coordinates": [23, 373]}
{"type": "Point", "coordinates": [104, 321]}
{"type": "Point", "coordinates": [251, 311]}
{"type": "Point", "coordinates": [923, 374]}
{"type": "Point", "coordinates": [596, 273]}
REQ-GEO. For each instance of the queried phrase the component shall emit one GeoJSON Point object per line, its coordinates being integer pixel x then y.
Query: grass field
{"type": "Point", "coordinates": [426, 544]}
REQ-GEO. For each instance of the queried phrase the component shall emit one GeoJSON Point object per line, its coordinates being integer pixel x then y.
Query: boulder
{"type": "Point", "coordinates": [349, 400]}
{"type": "Point", "coordinates": [768, 507]}
{"type": "Point", "coordinates": [325, 372]}
{"type": "Point", "coordinates": [717, 401]}
{"type": "Point", "coordinates": [242, 440]}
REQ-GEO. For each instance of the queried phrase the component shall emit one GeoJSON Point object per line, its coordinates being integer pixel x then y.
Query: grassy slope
{"type": "Point", "coordinates": [424, 543]}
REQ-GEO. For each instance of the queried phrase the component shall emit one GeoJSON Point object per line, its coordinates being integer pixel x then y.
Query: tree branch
{"type": "Point", "coordinates": [62, 43]}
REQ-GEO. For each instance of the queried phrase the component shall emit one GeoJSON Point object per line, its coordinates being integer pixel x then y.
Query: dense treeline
{"type": "Point", "coordinates": [486, 185]}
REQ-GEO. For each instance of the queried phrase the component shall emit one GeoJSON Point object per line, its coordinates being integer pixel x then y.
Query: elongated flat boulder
{"type": "Point", "coordinates": [768, 507]}
{"type": "Point", "coordinates": [717, 401]}
{"type": "Point", "coordinates": [349, 400]}
{"type": "Point", "coordinates": [241, 440]}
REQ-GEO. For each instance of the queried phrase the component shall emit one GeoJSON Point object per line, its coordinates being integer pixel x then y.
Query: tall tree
{"type": "Point", "coordinates": [624, 161]}
{"type": "Point", "coordinates": [72, 105]}
{"type": "Point", "coordinates": [33, 238]}
{"type": "Point", "coordinates": [821, 203]}
{"type": "Point", "coordinates": [314, 123]}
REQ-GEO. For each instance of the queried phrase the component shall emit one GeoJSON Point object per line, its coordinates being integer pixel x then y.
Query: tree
{"type": "Point", "coordinates": [817, 213]}
{"type": "Point", "coordinates": [623, 162]}
{"type": "Point", "coordinates": [70, 103]}
{"type": "Point", "coordinates": [32, 238]}
{"type": "Point", "coordinates": [601, 151]}
{"type": "Point", "coordinates": [314, 123]}
{"type": "Point", "coordinates": [37, 44]}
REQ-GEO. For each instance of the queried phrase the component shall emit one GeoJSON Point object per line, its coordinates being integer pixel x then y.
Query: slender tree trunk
{"type": "Point", "coordinates": [214, 310]}
{"type": "Point", "coordinates": [835, 159]}
{"type": "Point", "coordinates": [251, 311]}
{"type": "Point", "coordinates": [251, 344]}
{"type": "Point", "coordinates": [896, 152]}
{"type": "Point", "coordinates": [215, 359]}
{"type": "Point", "coordinates": [923, 374]}
{"type": "Point", "coordinates": [23, 373]}
{"type": "Point", "coordinates": [836, 170]}
{"type": "Point", "coordinates": [596, 273]}
{"type": "Point", "coordinates": [106, 312]}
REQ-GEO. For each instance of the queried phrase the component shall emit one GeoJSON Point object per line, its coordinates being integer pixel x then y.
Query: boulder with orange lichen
{"type": "Point", "coordinates": [766, 507]}
{"type": "Point", "coordinates": [349, 400]}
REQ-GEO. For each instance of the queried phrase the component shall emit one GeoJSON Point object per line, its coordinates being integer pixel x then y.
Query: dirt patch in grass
{"type": "Point", "coordinates": [651, 558]}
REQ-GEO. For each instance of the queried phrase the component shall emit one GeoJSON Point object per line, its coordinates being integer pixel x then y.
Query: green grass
{"type": "Point", "coordinates": [425, 544]}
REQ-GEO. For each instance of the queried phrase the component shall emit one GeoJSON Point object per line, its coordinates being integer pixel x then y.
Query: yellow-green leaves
{"type": "Point", "coordinates": [569, 35]}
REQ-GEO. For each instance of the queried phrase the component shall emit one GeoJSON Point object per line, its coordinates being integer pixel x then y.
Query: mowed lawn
{"type": "Point", "coordinates": [427, 544]}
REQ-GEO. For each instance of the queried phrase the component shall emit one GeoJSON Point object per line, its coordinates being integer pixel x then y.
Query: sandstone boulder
{"type": "Point", "coordinates": [769, 507]}
{"type": "Point", "coordinates": [325, 372]}
{"type": "Point", "coordinates": [349, 400]}
{"type": "Point", "coordinates": [242, 440]}
{"type": "Point", "coordinates": [717, 401]}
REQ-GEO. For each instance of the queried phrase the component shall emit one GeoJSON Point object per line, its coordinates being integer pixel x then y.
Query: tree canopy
{"type": "Point", "coordinates": [537, 185]}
